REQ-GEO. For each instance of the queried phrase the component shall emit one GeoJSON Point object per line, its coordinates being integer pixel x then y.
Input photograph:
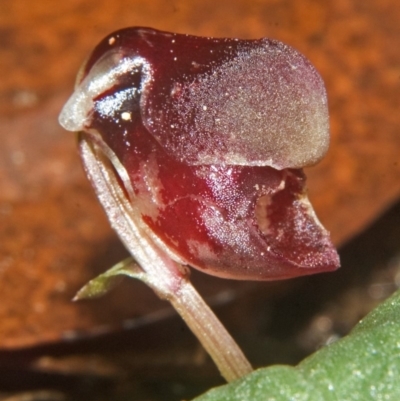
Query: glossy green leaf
{"type": "Point", "coordinates": [108, 280]}
{"type": "Point", "coordinates": [364, 366]}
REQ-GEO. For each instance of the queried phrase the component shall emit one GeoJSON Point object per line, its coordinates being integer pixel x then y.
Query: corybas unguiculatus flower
{"type": "Point", "coordinates": [200, 144]}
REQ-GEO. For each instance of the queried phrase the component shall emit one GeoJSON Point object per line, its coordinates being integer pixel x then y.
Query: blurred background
{"type": "Point", "coordinates": [54, 237]}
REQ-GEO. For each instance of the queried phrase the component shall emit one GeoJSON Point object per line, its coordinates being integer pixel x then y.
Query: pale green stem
{"type": "Point", "coordinates": [167, 278]}
{"type": "Point", "coordinates": [215, 339]}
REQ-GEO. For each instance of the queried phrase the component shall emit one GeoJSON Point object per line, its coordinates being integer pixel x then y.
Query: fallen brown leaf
{"type": "Point", "coordinates": [54, 236]}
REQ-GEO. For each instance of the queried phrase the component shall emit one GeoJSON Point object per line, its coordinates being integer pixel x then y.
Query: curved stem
{"type": "Point", "coordinates": [168, 279]}
{"type": "Point", "coordinates": [215, 339]}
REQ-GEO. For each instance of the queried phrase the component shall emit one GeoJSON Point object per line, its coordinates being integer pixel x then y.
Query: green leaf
{"type": "Point", "coordinates": [108, 280]}
{"type": "Point", "coordinates": [363, 366]}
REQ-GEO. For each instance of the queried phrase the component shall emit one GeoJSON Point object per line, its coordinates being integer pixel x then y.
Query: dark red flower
{"type": "Point", "coordinates": [211, 135]}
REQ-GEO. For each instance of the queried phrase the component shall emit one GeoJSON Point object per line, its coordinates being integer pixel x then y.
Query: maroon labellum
{"type": "Point", "coordinates": [195, 148]}
{"type": "Point", "coordinates": [212, 133]}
